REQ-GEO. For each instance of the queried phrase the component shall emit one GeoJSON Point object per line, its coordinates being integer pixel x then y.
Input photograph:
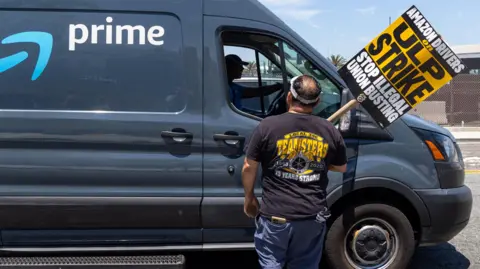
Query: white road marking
{"type": "Point", "coordinates": [468, 142]}
{"type": "Point", "coordinates": [471, 160]}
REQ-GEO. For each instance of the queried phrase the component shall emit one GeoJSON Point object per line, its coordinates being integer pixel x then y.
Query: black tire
{"type": "Point", "coordinates": [335, 245]}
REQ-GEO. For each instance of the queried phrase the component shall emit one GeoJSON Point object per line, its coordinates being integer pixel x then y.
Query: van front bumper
{"type": "Point", "coordinates": [449, 213]}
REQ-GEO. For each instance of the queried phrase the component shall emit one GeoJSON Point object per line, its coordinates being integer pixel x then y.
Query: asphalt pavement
{"type": "Point", "coordinates": [462, 252]}
{"type": "Point", "coordinates": [471, 154]}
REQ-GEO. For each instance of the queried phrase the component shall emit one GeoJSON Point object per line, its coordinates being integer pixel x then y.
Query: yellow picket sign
{"type": "Point", "coordinates": [400, 68]}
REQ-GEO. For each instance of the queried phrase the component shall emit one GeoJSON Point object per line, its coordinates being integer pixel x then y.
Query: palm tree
{"type": "Point", "coordinates": [337, 60]}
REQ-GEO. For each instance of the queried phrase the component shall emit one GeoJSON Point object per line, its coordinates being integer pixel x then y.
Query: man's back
{"type": "Point", "coordinates": [296, 151]}
{"type": "Point", "coordinates": [295, 158]}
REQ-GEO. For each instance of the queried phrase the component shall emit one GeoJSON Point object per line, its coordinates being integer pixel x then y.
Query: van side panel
{"type": "Point", "coordinates": [109, 135]}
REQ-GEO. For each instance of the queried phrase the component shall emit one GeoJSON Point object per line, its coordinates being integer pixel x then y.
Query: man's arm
{"type": "Point", "coordinates": [249, 174]}
{"type": "Point", "coordinates": [253, 156]}
{"type": "Point", "coordinates": [339, 161]}
{"type": "Point", "coordinates": [257, 91]}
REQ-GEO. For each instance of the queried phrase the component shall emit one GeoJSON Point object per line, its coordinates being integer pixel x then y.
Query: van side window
{"type": "Point", "coordinates": [249, 74]}
{"type": "Point", "coordinates": [269, 75]}
{"type": "Point", "coordinates": [125, 76]}
{"type": "Point", "coordinates": [256, 61]}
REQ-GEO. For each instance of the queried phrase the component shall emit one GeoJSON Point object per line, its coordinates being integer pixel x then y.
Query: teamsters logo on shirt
{"type": "Point", "coordinates": [301, 156]}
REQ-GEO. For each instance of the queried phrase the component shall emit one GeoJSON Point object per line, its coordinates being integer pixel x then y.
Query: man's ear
{"type": "Point", "coordinates": [289, 98]}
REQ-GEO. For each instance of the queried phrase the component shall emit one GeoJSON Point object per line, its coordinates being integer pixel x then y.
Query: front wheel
{"type": "Point", "coordinates": [371, 236]}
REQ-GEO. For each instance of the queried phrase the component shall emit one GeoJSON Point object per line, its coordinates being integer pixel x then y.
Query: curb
{"type": "Point", "coordinates": [472, 172]}
{"type": "Point", "coordinates": [467, 139]}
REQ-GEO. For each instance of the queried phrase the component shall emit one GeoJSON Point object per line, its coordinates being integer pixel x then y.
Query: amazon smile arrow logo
{"type": "Point", "coordinates": [44, 41]}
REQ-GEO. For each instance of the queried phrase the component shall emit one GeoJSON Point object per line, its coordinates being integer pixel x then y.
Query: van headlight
{"type": "Point", "coordinates": [441, 146]}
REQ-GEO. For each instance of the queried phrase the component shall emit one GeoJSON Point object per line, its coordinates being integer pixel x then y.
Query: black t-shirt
{"type": "Point", "coordinates": [295, 151]}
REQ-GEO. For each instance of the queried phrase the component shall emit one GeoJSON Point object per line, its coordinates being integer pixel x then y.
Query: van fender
{"type": "Point", "coordinates": [381, 182]}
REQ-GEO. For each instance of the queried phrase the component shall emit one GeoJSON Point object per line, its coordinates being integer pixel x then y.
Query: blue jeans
{"type": "Point", "coordinates": [297, 244]}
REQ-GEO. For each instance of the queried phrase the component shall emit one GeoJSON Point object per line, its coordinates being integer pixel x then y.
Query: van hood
{"type": "Point", "coordinates": [417, 122]}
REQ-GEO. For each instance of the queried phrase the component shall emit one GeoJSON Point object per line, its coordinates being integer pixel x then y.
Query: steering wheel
{"type": "Point", "coordinates": [278, 103]}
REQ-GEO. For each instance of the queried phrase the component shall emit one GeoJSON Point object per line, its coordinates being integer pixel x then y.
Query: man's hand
{"type": "Point", "coordinates": [251, 206]}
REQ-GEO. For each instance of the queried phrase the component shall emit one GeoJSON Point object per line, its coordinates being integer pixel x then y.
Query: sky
{"type": "Point", "coordinates": [345, 26]}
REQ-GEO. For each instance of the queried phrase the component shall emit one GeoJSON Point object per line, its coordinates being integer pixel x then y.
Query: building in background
{"type": "Point", "coordinates": [458, 102]}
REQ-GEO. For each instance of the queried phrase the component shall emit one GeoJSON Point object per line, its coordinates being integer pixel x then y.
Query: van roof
{"type": "Point", "coordinates": [243, 9]}
{"type": "Point", "coordinates": [256, 11]}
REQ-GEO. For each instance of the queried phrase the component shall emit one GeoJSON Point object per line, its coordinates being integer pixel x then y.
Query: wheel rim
{"type": "Point", "coordinates": [371, 243]}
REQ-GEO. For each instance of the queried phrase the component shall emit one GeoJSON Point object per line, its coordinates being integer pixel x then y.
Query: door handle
{"type": "Point", "coordinates": [232, 140]}
{"type": "Point", "coordinates": [177, 136]}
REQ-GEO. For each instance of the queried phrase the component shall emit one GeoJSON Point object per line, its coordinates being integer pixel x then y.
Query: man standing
{"type": "Point", "coordinates": [235, 67]}
{"type": "Point", "coordinates": [296, 149]}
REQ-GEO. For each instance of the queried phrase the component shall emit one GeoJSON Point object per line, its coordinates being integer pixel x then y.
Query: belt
{"type": "Point", "coordinates": [281, 220]}
{"type": "Point", "coordinates": [278, 220]}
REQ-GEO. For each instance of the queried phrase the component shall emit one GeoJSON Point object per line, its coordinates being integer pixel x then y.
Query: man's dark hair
{"type": "Point", "coordinates": [306, 88]}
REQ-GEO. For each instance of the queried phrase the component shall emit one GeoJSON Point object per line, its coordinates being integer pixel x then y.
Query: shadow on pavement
{"type": "Point", "coordinates": [444, 256]}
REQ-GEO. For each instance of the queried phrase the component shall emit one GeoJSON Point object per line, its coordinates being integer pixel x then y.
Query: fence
{"type": "Point", "coordinates": [455, 104]}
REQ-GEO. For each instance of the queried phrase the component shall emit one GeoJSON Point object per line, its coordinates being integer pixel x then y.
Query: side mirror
{"type": "Point", "coordinates": [349, 121]}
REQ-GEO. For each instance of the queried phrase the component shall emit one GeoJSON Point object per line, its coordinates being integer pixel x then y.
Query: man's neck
{"type": "Point", "coordinates": [299, 110]}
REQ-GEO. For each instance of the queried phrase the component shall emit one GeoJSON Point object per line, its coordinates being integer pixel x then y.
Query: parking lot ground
{"type": "Point", "coordinates": [462, 252]}
{"type": "Point", "coordinates": [471, 155]}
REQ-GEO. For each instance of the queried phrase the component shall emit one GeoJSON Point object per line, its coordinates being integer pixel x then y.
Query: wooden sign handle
{"type": "Point", "coordinates": [344, 109]}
